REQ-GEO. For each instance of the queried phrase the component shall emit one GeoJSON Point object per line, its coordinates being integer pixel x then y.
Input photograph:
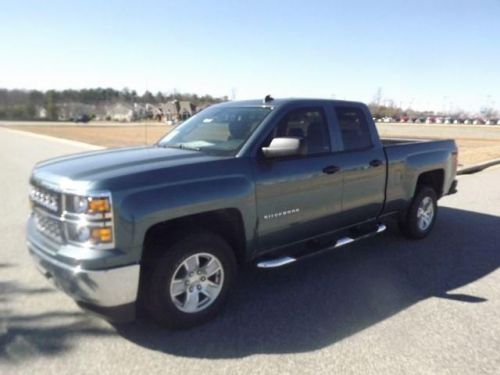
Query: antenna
{"type": "Point", "coordinates": [268, 99]}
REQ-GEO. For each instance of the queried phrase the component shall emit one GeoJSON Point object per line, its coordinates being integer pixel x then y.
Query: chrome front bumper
{"type": "Point", "coordinates": [104, 288]}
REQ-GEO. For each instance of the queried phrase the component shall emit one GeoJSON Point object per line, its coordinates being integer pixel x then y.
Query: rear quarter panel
{"type": "Point", "coordinates": [407, 161]}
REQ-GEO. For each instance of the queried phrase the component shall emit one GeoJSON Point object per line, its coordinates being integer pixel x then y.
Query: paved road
{"type": "Point", "coordinates": [384, 306]}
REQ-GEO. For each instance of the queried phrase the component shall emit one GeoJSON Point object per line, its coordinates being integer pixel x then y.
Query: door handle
{"type": "Point", "coordinates": [331, 169]}
{"type": "Point", "coordinates": [376, 163]}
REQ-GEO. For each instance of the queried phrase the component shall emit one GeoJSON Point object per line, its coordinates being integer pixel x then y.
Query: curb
{"type": "Point", "coordinates": [478, 167]}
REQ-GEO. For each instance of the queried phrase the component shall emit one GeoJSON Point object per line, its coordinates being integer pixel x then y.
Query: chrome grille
{"type": "Point", "coordinates": [45, 198]}
{"type": "Point", "coordinates": [48, 226]}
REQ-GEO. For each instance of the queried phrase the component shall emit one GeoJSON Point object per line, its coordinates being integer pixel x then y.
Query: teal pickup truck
{"type": "Point", "coordinates": [266, 182]}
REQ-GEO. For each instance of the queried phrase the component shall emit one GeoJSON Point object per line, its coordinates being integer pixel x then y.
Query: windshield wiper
{"type": "Point", "coordinates": [182, 146]}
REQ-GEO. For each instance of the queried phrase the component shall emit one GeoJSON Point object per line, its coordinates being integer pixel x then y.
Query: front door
{"type": "Point", "coordinates": [298, 197]}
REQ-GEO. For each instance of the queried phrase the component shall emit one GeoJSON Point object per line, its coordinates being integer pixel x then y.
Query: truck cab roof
{"type": "Point", "coordinates": [275, 103]}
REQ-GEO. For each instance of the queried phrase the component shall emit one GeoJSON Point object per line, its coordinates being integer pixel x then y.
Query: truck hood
{"type": "Point", "coordinates": [98, 166]}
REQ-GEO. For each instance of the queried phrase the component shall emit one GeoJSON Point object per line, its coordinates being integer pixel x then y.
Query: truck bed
{"type": "Point", "coordinates": [400, 141]}
{"type": "Point", "coordinates": [409, 158]}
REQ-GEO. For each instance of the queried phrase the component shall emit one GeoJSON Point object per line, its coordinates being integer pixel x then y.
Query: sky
{"type": "Point", "coordinates": [425, 54]}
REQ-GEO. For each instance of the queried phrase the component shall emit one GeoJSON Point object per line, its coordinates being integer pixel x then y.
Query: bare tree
{"type": "Point", "coordinates": [377, 98]}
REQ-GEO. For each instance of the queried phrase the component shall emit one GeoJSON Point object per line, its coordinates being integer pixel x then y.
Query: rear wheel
{"type": "Point", "coordinates": [421, 215]}
{"type": "Point", "coordinates": [190, 282]}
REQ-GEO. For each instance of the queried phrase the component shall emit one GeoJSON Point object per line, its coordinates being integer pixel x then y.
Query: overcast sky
{"type": "Point", "coordinates": [436, 54]}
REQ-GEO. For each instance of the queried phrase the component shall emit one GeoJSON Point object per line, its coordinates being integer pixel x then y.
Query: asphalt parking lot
{"type": "Point", "coordinates": [383, 306]}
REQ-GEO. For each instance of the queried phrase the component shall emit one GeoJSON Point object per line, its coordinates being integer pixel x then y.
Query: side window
{"type": "Point", "coordinates": [354, 128]}
{"type": "Point", "coordinates": [308, 124]}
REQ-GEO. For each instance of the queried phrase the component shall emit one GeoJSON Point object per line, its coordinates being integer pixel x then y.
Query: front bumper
{"type": "Point", "coordinates": [111, 293]}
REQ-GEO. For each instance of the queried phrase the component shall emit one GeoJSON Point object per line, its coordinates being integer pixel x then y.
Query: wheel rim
{"type": "Point", "coordinates": [197, 282]}
{"type": "Point", "coordinates": [425, 213]}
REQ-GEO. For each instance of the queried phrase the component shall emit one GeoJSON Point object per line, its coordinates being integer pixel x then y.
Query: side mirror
{"type": "Point", "coordinates": [280, 147]}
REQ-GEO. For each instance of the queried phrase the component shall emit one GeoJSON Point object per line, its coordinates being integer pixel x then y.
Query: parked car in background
{"type": "Point", "coordinates": [492, 121]}
{"type": "Point", "coordinates": [83, 118]}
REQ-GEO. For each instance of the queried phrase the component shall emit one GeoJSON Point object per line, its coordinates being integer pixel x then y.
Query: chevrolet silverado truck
{"type": "Point", "coordinates": [263, 182]}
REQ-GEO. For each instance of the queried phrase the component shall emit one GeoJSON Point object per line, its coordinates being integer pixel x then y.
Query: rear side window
{"type": "Point", "coordinates": [354, 128]}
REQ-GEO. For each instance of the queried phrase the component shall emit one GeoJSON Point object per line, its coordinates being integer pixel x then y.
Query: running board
{"type": "Point", "coordinates": [278, 262]}
{"type": "Point", "coordinates": [282, 261]}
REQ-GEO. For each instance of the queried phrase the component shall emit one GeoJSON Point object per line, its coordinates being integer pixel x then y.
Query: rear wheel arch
{"type": "Point", "coordinates": [433, 179]}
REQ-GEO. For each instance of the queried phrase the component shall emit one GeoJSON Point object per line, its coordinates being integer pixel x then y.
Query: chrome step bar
{"type": "Point", "coordinates": [278, 262]}
{"type": "Point", "coordinates": [282, 261]}
{"type": "Point", "coordinates": [347, 240]}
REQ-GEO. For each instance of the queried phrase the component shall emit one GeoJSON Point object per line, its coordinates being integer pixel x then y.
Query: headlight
{"type": "Point", "coordinates": [88, 234]}
{"type": "Point", "coordinates": [88, 205]}
{"type": "Point", "coordinates": [80, 204]}
{"type": "Point", "coordinates": [88, 220]}
{"type": "Point", "coordinates": [83, 234]}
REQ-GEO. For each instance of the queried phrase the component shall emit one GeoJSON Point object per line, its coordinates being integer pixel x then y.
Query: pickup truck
{"type": "Point", "coordinates": [262, 182]}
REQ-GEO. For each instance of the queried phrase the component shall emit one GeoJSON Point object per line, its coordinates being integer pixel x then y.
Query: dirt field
{"type": "Point", "coordinates": [107, 136]}
{"type": "Point", "coordinates": [475, 145]}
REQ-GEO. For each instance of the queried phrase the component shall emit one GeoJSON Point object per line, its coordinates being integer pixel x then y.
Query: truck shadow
{"type": "Point", "coordinates": [321, 301]}
{"type": "Point", "coordinates": [28, 336]}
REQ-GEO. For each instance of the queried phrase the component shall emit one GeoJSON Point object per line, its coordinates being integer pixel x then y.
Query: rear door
{"type": "Point", "coordinates": [362, 160]}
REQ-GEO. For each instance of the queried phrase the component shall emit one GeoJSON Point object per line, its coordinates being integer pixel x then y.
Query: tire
{"type": "Point", "coordinates": [164, 298]}
{"type": "Point", "coordinates": [414, 225]}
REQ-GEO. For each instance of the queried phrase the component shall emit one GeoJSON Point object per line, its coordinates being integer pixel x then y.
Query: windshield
{"type": "Point", "coordinates": [220, 130]}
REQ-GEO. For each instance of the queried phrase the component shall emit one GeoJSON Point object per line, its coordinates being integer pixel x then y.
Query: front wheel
{"type": "Point", "coordinates": [421, 215]}
{"type": "Point", "coordinates": [190, 282]}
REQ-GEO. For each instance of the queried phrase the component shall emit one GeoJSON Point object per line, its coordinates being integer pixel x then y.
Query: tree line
{"type": "Point", "coordinates": [382, 107]}
{"type": "Point", "coordinates": [26, 104]}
